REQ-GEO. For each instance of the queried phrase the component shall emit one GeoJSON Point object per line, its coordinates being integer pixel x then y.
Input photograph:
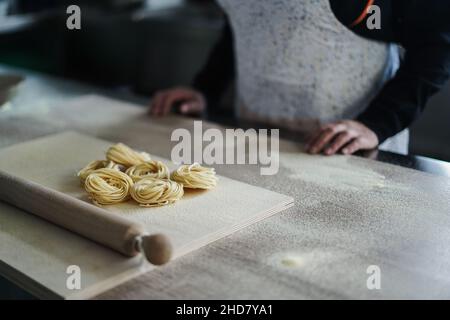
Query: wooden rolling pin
{"type": "Point", "coordinates": [85, 219]}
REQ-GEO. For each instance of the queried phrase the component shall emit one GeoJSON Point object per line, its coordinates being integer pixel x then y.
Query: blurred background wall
{"type": "Point", "coordinates": [146, 45]}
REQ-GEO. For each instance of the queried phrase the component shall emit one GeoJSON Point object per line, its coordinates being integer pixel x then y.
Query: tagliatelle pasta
{"type": "Point", "coordinates": [108, 186]}
{"type": "Point", "coordinates": [124, 155]}
{"type": "Point", "coordinates": [195, 176]}
{"type": "Point", "coordinates": [95, 165]}
{"type": "Point", "coordinates": [152, 192]}
{"type": "Point", "coordinates": [130, 174]}
{"type": "Point", "coordinates": [148, 169]}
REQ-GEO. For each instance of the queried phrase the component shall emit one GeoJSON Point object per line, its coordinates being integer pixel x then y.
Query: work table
{"type": "Point", "coordinates": [321, 248]}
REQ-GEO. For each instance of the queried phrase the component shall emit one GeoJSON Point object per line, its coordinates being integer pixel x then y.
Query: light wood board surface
{"type": "Point", "coordinates": [349, 213]}
{"type": "Point", "coordinates": [199, 218]}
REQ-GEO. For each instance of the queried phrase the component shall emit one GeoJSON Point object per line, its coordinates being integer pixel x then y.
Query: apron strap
{"type": "Point", "coordinates": [363, 15]}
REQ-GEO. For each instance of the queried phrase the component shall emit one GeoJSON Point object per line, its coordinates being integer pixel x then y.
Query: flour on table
{"type": "Point", "coordinates": [305, 260]}
{"type": "Point", "coordinates": [334, 172]}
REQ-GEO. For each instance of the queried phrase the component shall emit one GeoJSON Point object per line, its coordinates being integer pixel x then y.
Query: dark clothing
{"type": "Point", "coordinates": [219, 70]}
{"type": "Point", "coordinates": [421, 27]}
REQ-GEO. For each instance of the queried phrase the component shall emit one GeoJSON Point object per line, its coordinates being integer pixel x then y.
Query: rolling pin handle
{"type": "Point", "coordinates": [156, 248]}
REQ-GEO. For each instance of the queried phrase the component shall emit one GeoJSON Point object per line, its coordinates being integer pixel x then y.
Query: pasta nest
{"type": "Point", "coordinates": [124, 155]}
{"type": "Point", "coordinates": [95, 165]}
{"type": "Point", "coordinates": [149, 169]}
{"type": "Point", "coordinates": [195, 176]}
{"type": "Point", "coordinates": [152, 192]}
{"type": "Point", "coordinates": [108, 186]}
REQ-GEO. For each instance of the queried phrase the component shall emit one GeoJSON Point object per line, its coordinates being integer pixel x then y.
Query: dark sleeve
{"type": "Point", "coordinates": [219, 70]}
{"type": "Point", "coordinates": [423, 72]}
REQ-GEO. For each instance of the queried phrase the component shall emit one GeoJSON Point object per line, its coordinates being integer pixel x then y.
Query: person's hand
{"type": "Point", "coordinates": [190, 101]}
{"type": "Point", "coordinates": [347, 136]}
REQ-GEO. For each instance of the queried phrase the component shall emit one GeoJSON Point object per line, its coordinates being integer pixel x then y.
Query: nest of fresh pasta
{"type": "Point", "coordinates": [129, 174]}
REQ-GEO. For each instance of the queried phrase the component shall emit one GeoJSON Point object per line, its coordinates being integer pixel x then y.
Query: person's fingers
{"type": "Point", "coordinates": [341, 140]}
{"type": "Point", "coordinates": [173, 98]}
{"type": "Point", "coordinates": [315, 138]}
{"type": "Point", "coordinates": [325, 138]}
{"type": "Point", "coordinates": [312, 139]}
{"type": "Point", "coordinates": [156, 103]}
{"type": "Point", "coordinates": [354, 146]}
{"type": "Point", "coordinates": [164, 101]}
{"type": "Point", "coordinates": [314, 145]}
{"type": "Point", "coordinates": [192, 107]}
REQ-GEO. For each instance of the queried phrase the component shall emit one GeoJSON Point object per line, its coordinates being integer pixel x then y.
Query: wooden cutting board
{"type": "Point", "coordinates": [42, 254]}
